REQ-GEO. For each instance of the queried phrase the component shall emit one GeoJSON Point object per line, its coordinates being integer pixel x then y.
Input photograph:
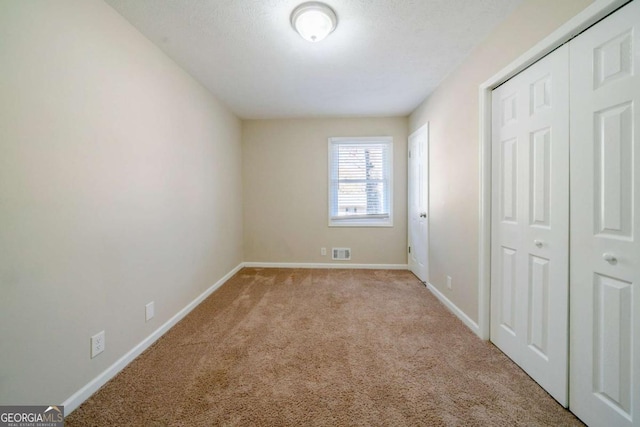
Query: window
{"type": "Point", "coordinates": [360, 181]}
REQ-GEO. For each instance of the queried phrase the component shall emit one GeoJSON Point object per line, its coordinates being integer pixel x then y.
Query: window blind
{"type": "Point", "coordinates": [360, 179]}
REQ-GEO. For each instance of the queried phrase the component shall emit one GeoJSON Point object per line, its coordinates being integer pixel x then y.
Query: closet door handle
{"type": "Point", "coordinates": [538, 243]}
{"type": "Point", "coordinates": [610, 258]}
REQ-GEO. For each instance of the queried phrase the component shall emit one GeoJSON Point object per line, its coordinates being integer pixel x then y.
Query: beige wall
{"type": "Point", "coordinates": [452, 113]}
{"type": "Point", "coordinates": [120, 183]}
{"type": "Point", "coordinates": [285, 192]}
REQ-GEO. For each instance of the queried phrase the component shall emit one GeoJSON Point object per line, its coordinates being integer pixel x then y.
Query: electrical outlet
{"type": "Point", "coordinates": [323, 251]}
{"type": "Point", "coordinates": [98, 344]}
{"type": "Point", "coordinates": [149, 311]}
{"type": "Point", "coordinates": [449, 282]}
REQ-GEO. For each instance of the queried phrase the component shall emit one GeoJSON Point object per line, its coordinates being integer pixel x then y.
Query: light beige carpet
{"type": "Point", "coordinates": [282, 347]}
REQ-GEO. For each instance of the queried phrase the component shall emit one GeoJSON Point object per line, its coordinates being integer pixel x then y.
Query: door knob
{"type": "Point", "coordinates": [610, 258]}
{"type": "Point", "coordinates": [538, 243]}
{"type": "Point", "coordinates": [423, 214]}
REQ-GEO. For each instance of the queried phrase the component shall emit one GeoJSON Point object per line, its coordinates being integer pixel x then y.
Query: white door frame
{"type": "Point", "coordinates": [589, 16]}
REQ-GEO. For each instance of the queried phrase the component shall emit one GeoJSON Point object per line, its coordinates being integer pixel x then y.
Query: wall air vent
{"type": "Point", "coordinates": [341, 254]}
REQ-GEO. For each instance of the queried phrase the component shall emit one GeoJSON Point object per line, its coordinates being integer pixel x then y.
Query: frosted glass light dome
{"type": "Point", "coordinates": [314, 20]}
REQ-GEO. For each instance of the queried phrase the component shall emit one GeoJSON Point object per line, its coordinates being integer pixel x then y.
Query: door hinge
{"type": "Point", "coordinates": [409, 249]}
{"type": "Point", "coordinates": [409, 153]}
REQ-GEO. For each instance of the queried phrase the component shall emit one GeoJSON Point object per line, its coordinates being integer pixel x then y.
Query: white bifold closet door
{"type": "Point", "coordinates": [530, 221]}
{"type": "Point", "coordinates": [605, 221]}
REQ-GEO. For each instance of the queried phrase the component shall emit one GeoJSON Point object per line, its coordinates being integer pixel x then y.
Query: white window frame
{"type": "Point", "coordinates": [372, 221]}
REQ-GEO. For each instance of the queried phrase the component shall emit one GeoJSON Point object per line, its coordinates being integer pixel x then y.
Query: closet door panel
{"type": "Point", "coordinates": [529, 279]}
{"type": "Point", "coordinates": [605, 221]}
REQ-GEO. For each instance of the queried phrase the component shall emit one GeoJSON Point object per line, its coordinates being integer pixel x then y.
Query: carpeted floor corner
{"type": "Point", "coordinates": [293, 347]}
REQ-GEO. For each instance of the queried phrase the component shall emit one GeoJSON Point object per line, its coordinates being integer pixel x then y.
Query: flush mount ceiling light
{"type": "Point", "coordinates": [314, 20]}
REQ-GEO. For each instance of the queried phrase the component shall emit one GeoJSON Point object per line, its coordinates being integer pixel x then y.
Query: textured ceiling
{"type": "Point", "coordinates": [383, 59]}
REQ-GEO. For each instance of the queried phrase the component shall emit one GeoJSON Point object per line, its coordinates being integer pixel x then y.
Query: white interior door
{"type": "Point", "coordinates": [605, 221]}
{"type": "Point", "coordinates": [530, 214]}
{"type": "Point", "coordinates": [418, 186]}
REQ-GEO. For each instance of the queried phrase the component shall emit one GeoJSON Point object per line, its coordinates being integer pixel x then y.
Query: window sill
{"type": "Point", "coordinates": [360, 223]}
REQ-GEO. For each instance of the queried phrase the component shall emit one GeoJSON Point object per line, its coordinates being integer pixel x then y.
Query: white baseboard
{"type": "Point", "coordinates": [454, 309]}
{"type": "Point", "coordinates": [85, 392]}
{"type": "Point", "coordinates": [326, 265]}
